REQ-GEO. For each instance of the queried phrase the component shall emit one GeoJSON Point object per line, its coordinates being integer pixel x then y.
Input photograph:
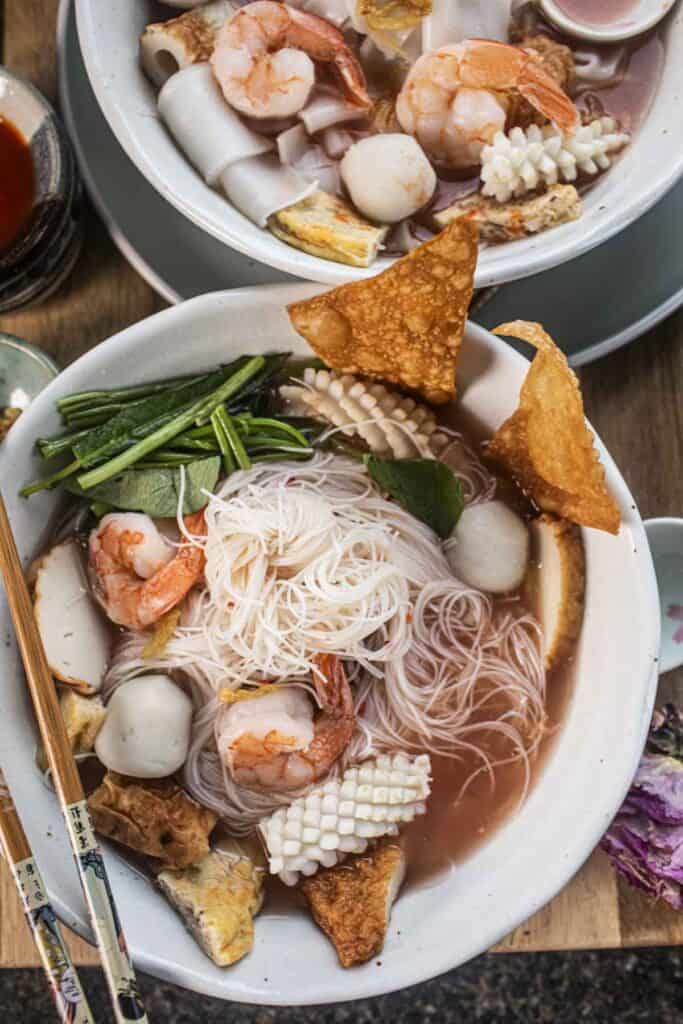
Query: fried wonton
{"type": "Point", "coordinates": [403, 326]}
{"type": "Point", "coordinates": [155, 817]}
{"type": "Point", "coordinates": [83, 718]}
{"type": "Point", "coordinates": [352, 901]}
{"type": "Point", "coordinates": [218, 898]}
{"type": "Point", "coordinates": [546, 445]}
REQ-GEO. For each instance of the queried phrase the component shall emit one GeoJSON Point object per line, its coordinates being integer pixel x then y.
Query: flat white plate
{"type": "Point", "coordinates": [591, 305]}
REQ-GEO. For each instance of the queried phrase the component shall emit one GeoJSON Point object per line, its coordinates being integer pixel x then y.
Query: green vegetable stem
{"type": "Point", "coordinates": [195, 412]}
{"type": "Point", "coordinates": [229, 442]}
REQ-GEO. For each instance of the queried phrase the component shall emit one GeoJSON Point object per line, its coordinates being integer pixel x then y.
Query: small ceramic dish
{"type": "Point", "coordinates": [522, 865]}
{"type": "Point", "coordinates": [24, 371]}
{"type": "Point", "coordinates": [645, 171]}
{"type": "Point", "coordinates": [665, 537]}
{"type": "Point", "coordinates": [46, 247]}
{"type": "Point", "coordinates": [631, 19]}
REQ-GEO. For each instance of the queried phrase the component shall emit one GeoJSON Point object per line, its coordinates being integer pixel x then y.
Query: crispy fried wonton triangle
{"type": "Point", "coordinates": [404, 325]}
{"type": "Point", "coordinates": [546, 445]}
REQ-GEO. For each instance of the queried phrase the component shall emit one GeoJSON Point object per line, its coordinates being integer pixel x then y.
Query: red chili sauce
{"type": "Point", "coordinates": [17, 182]}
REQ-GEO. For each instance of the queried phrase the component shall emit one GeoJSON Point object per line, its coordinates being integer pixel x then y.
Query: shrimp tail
{"type": "Point", "coordinates": [487, 64]}
{"type": "Point", "coordinates": [326, 44]}
{"type": "Point", "coordinates": [352, 80]}
{"type": "Point", "coordinates": [545, 95]}
{"type": "Point", "coordinates": [332, 687]}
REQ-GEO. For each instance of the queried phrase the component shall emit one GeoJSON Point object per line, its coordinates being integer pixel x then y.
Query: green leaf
{"type": "Point", "coordinates": [155, 491]}
{"type": "Point", "coordinates": [426, 488]}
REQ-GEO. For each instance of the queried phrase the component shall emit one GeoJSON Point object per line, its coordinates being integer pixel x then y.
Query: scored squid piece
{"type": "Point", "coordinates": [208, 131]}
{"type": "Point", "coordinates": [169, 46]}
{"type": "Point", "coordinates": [261, 186]}
{"type": "Point", "coordinates": [451, 21]}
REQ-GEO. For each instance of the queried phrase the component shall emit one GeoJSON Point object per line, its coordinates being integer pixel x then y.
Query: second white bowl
{"type": "Point", "coordinates": [109, 34]}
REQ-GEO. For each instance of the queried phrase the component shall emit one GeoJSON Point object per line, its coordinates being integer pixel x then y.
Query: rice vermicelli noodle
{"type": "Point", "coordinates": [304, 559]}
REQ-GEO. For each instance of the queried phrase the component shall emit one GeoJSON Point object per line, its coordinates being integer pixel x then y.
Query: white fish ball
{"type": "Point", "coordinates": [146, 732]}
{"type": "Point", "coordinates": [489, 548]}
{"type": "Point", "coordinates": [388, 177]}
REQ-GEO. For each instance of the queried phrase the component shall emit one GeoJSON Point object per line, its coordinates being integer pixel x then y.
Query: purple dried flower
{"type": "Point", "coordinates": [645, 840]}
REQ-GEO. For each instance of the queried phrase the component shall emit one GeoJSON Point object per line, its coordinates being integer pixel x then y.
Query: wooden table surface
{"type": "Point", "coordinates": [634, 397]}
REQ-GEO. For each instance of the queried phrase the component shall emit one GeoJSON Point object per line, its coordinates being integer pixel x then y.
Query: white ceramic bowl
{"type": "Point", "coordinates": [109, 32]}
{"type": "Point", "coordinates": [522, 866]}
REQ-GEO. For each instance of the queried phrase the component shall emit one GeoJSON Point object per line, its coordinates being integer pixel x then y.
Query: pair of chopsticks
{"type": "Point", "coordinates": [104, 918]}
{"type": "Point", "coordinates": [70, 1001]}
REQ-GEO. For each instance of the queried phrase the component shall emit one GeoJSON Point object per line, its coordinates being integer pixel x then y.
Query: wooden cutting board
{"type": "Point", "coordinates": [633, 397]}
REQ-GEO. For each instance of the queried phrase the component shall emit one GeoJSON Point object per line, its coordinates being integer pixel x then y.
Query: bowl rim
{"type": "Point", "coordinates": [305, 266]}
{"type": "Point", "coordinates": [574, 852]}
{"type": "Point", "coordinates": [32, 355]}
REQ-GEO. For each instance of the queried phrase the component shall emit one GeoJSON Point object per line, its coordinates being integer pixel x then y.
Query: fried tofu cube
{"type": "Point", "coordinates": [326, 226]}
{"type": "Point", "coordinates": [503, 222]}
{"type": "Point", "coordinates": [154, 817]}
{"type": "Point", "coordinates": [352, 901]}
{"type": "Point", "coordinates": [83, 718]}
{"type": "Point", "coordinates": [218, 899]}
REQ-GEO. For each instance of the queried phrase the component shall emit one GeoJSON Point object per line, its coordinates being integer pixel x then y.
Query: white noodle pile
{"type": "Point", "coordinates": [308, 558]}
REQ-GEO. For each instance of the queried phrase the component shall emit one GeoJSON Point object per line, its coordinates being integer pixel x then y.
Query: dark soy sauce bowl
{"type": "Point", "coordinates": [46, 247]}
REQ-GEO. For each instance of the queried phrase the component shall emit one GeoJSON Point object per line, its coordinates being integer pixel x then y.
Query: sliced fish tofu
{"type": "Point", "coordinates": [75, 635]}
{"type": "Point", "coordinates": [218, 899]}
{"type": "Point", "coordinates": [502, 222]}
{"type": "Point", "coordinates": [352, 901]}
{"type": "Point", "coordinates": [83, 718]}
{"type": "Point", "coordinates": [555, 584]}
{"type": "Point", "coordinates": [326, 226]}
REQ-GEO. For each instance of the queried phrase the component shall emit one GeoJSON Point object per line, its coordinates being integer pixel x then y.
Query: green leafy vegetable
{"type": "Point", "coordinates": [83, 399]}
{"type": "Point", "coordinates": [426, 488]}
{"type": "Point", "coordinates": [155, 491]}
{"type": "Point", "coordinates": [175, 423]}
{"type": "Point", "coordinates": [199, 410]}
{"type": "Point", "coordinates": [109, 438]}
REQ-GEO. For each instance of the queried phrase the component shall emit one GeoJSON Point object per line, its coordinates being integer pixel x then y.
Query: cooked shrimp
{"type": "Point", "coordinates": [138, 576]}
{"type": "Point", "coordinates": [272, 742]}
{"type": "Point", "coordinates": [455, 99]}
{"type": "Point", "coordinates": [265, 56]}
